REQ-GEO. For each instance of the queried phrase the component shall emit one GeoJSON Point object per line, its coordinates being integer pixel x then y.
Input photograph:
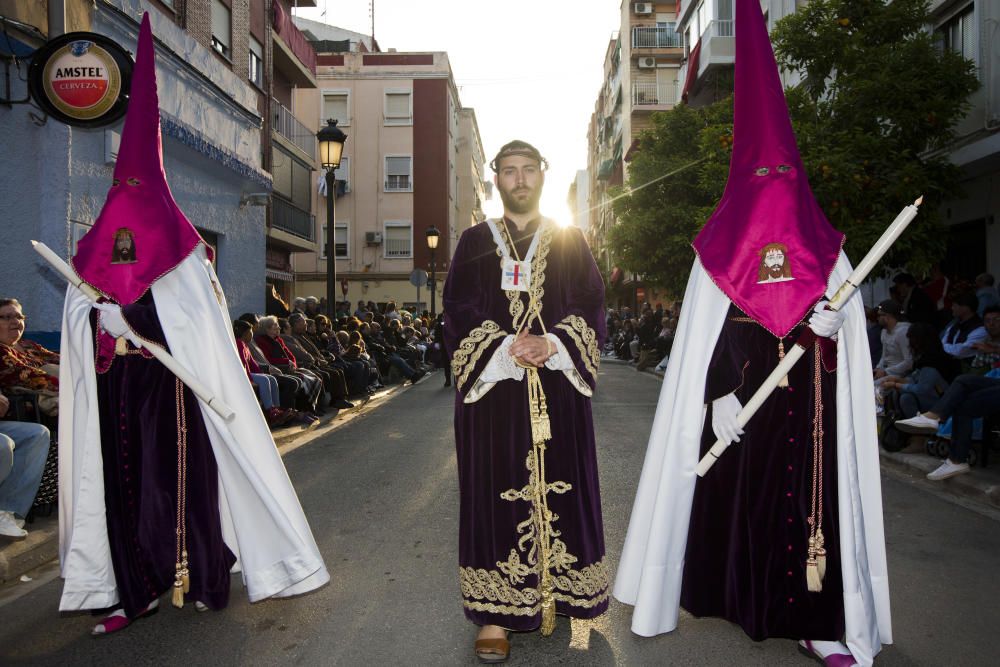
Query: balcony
{"type": "Point", "coordinates": [654, 94]}
{"type": "Point", "coordinates": [655, 37]}
{"type": "Point", "coordinates": [717, 46]}
{"type": "Point", "coordinates": [294, 57]}
{"type": "Point", "coordinates": [290, 128]}
{"type": "Point", "coordinates": [294, 221]}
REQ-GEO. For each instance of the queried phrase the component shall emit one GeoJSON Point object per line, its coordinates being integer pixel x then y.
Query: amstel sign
{"type": "Point", "coordinates": [81, 79]}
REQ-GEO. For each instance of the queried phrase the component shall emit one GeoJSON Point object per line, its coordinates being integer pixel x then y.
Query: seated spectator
{"type": "Point", "coordinates": [966, 329]}
{"type": "Point", "coordinates": [986, 292]}
{"type": "Point", "coordinates": [385, 354]}
{"type": "Point", "coordinates": [26, 366]}
{"type": "Point", "coordinates": [298, 305]}
{"type": "Point", "coordinates": [969, 396]}
{"type": "Point", "coordinates": [292, 391]}
{"type": "Point", "coordinates": [933, 370]}
{"type": "Point", "coordinates": [333, 379]}
{"type": "Point", "coordinates": [268, 339]}
{"type": "Point", "coordinates": [916, 306]}
{"type": "Point", "coordinates": [266, 385]}
{"type": "Point", "coordinates": [988, 351]}
{"type": "Point", "coordinates": [312, 307]}
{"type": "Point", "coordinates": [897, 359]}
{"type": "Point", "coordinates": [24, 447]}
{"type": "Point", "coordinates": [360, 311]}
{"type": "Point", "coordinates": [329, 356]}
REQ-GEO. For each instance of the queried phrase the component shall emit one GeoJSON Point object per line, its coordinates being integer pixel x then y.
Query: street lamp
{"type": "Point", "coordinates": [432, 243]}
{"type": "Point", "coordinates": [331, 145]}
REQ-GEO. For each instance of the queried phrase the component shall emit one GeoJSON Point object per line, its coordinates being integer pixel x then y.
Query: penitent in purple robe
{"type": "Point", "coordinates": [748, 537]}
{"type": "Point", "coordinates": [139, 441]}
{"type": "Point", "coordinates": [502, 527]}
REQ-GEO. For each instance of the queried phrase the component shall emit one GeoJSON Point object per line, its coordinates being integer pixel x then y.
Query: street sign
{"type": "Point", "coordinates": [81, 79]}
{"type": "Point", "coordinates": [343, 286]}
{"type": "Point", "coordinates": [418, 278]}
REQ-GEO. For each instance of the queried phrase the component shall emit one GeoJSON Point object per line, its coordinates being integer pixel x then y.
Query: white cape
{"type": "Point", "coordinates": [262, 520]}
{"type": "Point", "coordinates": [652, 562]}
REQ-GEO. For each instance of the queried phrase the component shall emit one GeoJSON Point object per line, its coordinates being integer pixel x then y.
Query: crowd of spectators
{"type": "Point", "coordinates": [643, 339]}
{"type": "Point", "coordinates": [302, 362]}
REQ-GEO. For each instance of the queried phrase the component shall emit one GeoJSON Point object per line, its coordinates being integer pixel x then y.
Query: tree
{"type": "Point", "coordinates": [675, 180]}
{"type": "Point", "coordinates": [878, 101]}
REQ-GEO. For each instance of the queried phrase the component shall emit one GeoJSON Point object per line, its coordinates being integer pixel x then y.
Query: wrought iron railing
{"type": "Point", "coordinates": [654, 93]}
{"type": "Point", "coordinates": [293, 220]}
{"type": "Point", "coordinates": [655, 37]}
{"type": "Point", "coordinates": [288, 126]}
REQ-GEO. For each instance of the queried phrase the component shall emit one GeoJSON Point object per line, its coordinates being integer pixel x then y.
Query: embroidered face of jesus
{"type": "Point", "coordinates": [774, 266]}
{"type": "Point", "coordinates": [124, 250]}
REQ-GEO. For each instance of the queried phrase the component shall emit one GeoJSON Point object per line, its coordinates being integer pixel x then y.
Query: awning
{"type": "Point", "coordinates": [274, 274]}
{"type": "Point", "coordinates": [692, 73]}
{"type": "Point", "coordinates": [604, 171]}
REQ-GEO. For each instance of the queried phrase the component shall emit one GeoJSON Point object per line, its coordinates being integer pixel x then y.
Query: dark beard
{"type": "Point", "coordinates": [776, 271]}
{"type": "Point", "coordinates": [514, 206]}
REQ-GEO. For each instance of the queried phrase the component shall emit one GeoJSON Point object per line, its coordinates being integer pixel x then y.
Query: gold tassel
{"type": "Point", "coordinates": [813, 580]}
{"type": "Point", "coordinates": [548, 615]}
{"type": "Point", "coordinates": [121, 346]}
{"type": "Point", "coordinates": [783, 382]}
{"type": "Point", "coordinates": [178, 596]}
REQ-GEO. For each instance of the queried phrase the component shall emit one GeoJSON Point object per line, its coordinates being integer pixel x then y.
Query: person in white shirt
{"type": "Point", "coordinates": [897, 358]}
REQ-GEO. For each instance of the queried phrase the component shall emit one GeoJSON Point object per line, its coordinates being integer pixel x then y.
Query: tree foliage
{"type": "Point", "coordinates": [878, 98]}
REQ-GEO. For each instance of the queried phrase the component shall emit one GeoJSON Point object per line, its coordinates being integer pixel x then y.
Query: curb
{"type": "Point", "coordinates": [980, 485]}
{"type": "Point", "coordinates": [17, 557]}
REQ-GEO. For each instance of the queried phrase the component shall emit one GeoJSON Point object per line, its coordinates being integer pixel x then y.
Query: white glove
{"type": "Point", "coordinates": [724, 424]}
{"type": "Point", "coordinates": [826, 323]}
{"type": "Point", "coordinates": [112, 321]}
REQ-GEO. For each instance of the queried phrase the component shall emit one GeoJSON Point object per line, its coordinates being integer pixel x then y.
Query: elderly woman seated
{"type": "Point", "coordinates": [26, 366]}
{"type": "Point", "coordinates": [268, 339]}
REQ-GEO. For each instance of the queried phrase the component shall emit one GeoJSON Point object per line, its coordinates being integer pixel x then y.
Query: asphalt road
{"type": "Point", "coordinates": [380, 493]}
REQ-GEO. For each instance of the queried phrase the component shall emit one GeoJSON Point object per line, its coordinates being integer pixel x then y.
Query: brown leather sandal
{"type": "Point", "coordinates": [493, 650]}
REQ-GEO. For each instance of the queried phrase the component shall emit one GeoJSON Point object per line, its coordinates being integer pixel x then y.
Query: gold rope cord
{"type": "Point", "coordinates": [182, 581]}
{"type": "Point", "coordinates": [541, 428]}
{"type": "Point", "coordinates": [816, 560]}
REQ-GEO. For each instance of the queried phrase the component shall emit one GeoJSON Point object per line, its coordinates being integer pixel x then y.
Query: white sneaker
{"type": "Point", "coordinates": [919, 425]}
{"type": "Point", "coordinates": [947, 469]}
{"type": "Point", "coordinates": [9, 527]}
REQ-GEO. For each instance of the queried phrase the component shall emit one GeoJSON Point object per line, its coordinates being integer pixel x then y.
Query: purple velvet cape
{"type": "Point", "coordinates": [499, 568]}
{"type": "Point", "coordinates": [748, 536]}
{"type": "Point", "coordinates": [138, 418]}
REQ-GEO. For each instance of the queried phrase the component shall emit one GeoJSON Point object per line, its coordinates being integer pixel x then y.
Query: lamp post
{"type": "Point", "coordinates": [331, 146]}
{"type": "Point", "coordinates": [432, 243]}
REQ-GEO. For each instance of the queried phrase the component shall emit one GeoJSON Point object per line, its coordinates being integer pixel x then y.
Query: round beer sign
{"type": "Point", "coordinates": [82, 79]}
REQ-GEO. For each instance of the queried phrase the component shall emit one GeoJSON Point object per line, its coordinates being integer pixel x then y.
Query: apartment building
{"type": "Point", "coordinates": [642, 75]}
{"type": "Point", "coordinates": [972, 27]}
{"type": "Point", "coordinates": [56, 177]}
{"type": "Point", "coordinates": [413, 160]}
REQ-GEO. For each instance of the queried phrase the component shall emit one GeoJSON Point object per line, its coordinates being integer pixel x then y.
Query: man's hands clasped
{"type": "Point", "coordinates": [530, 349]}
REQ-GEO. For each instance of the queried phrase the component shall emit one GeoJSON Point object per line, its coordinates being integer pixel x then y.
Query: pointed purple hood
{"type": "Point", "coordinates": [767, 245]}
{"type": "Point", "coordinates": [140, 233]}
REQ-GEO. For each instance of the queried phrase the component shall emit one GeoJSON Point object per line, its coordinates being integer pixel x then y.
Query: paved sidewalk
{"type": "Point", "coordinates": [18, 557]}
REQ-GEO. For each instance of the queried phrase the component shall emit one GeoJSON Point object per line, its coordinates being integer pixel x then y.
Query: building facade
{"type": "Point", "coordinates": [56, 177]}
{"type": "Point", "coordinates": [642, 75]}
{"type": "Point", "coordinates": [973, 238]}
{"type": "Point", "coordinates": [413, 160]}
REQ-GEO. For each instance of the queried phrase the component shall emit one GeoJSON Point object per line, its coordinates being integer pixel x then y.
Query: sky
{"type": "Point", "coordinates": [532, 69]}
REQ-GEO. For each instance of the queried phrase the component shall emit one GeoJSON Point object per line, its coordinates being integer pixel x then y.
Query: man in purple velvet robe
{"type": "Point", "coordinates": [524, 322]}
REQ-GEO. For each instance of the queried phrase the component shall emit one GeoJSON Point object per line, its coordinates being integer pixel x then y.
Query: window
{"type": "Point", "coordinates": [221, 28]}
{"type": "Point", "coordinates": [398, 107]}
{"type": "Point", "coordinates": [256, 73]}
{"type": "Point", "coordinates": [959, 34]}
{"type": "Point", "coordinates": [341, 246]}
{"type": "Point", "coordinates": [337, 105]}
{"type": "Point", "coordinates": [397, 173]}
{"type": "Point", "coordinates": [398, 242]}
{"type": "Point", "coordinates": [292, 178]}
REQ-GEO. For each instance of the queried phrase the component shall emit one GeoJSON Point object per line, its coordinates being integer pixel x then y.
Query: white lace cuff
{"type": "Point", "coordinates": [560, 361]}
{"type": "Point", "coordinates": [501, 365]}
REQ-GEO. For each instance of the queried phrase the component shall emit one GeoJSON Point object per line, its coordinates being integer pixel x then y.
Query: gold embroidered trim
{"type": "Point", "coordinates": [472, 348]}
{"type": "Point", "coordinates": [586, 341]}
{"type": "Point", "coordinates": [536, 288]}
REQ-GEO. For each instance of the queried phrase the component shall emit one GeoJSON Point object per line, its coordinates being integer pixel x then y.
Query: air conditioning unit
{"type": "Point", "coordinates": [643, 8]}
{"type": "Point", "coordinates": [647, 62]}
{"type": "Point", "coordinates": [373, 238]}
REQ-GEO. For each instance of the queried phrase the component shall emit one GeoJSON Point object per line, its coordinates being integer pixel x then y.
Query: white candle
{"type": "Point", "coordinates": [878, 251]}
